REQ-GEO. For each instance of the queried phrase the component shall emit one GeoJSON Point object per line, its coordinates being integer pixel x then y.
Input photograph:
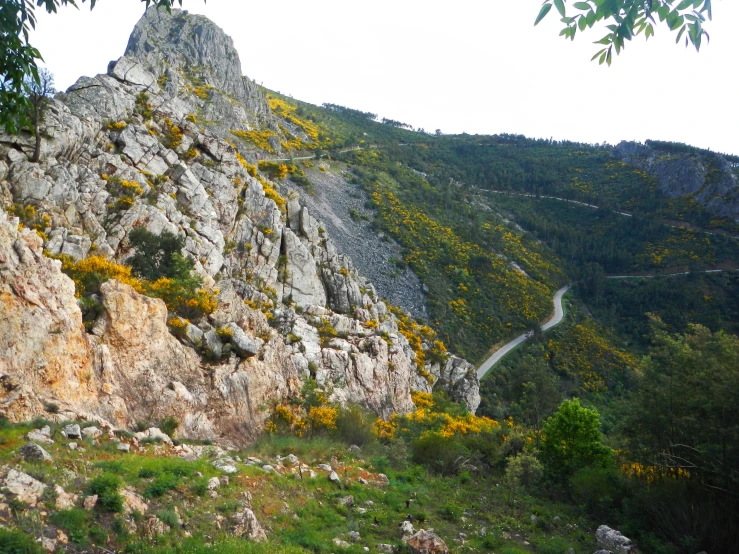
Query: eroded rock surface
{"type": "Point", "coordinates": [162, 128]}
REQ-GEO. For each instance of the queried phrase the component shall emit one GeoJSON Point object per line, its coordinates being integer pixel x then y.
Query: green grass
{"type": "Point", "coordinates": [300, 516]}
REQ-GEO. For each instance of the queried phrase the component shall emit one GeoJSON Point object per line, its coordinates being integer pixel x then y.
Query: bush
{"type": "Point", "coordinates": [440, 454]}
{"type": "Point", "coordinates": [106, 486]}
{"type": "Point", "coordinates": [598, 490]}
{"type": "Point", "coordinates": [161, 485]}
{"type": "Point", "coordinates": [168, 426]}
{"type": "Point", "coordinates": [16, 542]}
{"type": "Point", "coordinates": [354, 425]}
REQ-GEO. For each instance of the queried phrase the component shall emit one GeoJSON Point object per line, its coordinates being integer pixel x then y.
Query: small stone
{"type": "Point", "coordinates": [268, 468]}
{"type": "Point", "coordinates": [333, 477]}
{"type": "Point", "coordinates": [382, 547]}
{"type": "Point", "coordinates": [224, 480]}
{"type": "Point", "coordinates": [354, 449]}
{"type": "Point", "coordinates": [48, 544]}
{"type": "Point", "coordinates": [90, 501]}
{"type": "Point", "coordinates": [360, 510]}
{"type": "Point", "coordinates": [213, 483]}
{"type": "Point", "coordinates": [341, 543]}
{"type": "Point", "coordinates": [124, 447]}
{"type": "Point", "coordinates": [363, 481]}
{"type": "Point", "coordinates": [292, 459]}
{"type": "Point", "coordinates": [346, 501]}
{"type": "Point", "coordinates": [382, 479]}
{"type": "Point", "coordinates": [354, 536]}
{"type": "Point", "coordinates": [325, 467]}
{"type": "Point", "coordinates": [72, 446]}
{"type": "Point", "coordinates": [33, 452]}
{"type": "Point", "coordinates": [61, 536]}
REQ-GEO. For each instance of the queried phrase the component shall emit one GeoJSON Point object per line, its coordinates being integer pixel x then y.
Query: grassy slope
{"type": "Point", "coordinates": [299, 516]}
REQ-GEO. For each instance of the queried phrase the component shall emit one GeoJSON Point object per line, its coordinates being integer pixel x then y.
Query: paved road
{"type": "Point", "coordinates": [556, 319]}
{"type": "Point", "coordinates": [667, 274]}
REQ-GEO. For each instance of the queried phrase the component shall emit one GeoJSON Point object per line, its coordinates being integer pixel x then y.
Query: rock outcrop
{"type": "Point", "coordinates": [290, 306]}
{"type": "Point", "coordinates": [705, 176]}
{"type": "Point", "coordinates": [613, 541]}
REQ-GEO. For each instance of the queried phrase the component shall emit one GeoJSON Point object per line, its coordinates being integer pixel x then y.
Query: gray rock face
{"type": "Point", "coordinates": [266, 259]}
{"type": "Point", "coordinates": [613, 541]}
{"type": "Point", "coordinates": [683, 174]}
{"type": "Point", "coordinates": [164, 43]}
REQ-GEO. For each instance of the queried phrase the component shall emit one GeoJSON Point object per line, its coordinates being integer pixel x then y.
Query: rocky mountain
{"type": "Point", "coordinates": [146, 145]}
{"type": "Point", "coordinates": [707, 178]}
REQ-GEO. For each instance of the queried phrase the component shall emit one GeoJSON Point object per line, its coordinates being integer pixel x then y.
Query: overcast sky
{"type": "Point", "coordinates": [463, 66]}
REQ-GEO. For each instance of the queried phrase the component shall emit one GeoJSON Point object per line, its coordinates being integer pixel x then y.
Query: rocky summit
{"type": "Point", "coordinates": [145, 146]}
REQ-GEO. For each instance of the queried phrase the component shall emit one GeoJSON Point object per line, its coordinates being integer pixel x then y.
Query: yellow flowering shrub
{"type": "Point", "coordinates": [117, 125]}
{"type": "Point", "coordinates": [322, 417]}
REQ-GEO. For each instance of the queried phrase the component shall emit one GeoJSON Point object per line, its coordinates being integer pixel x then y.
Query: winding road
{"type": "Point", "coordinates": [556, 319]}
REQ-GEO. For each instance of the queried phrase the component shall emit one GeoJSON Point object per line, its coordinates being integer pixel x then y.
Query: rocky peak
{"type": "Point", "coordinates": [182, 49]}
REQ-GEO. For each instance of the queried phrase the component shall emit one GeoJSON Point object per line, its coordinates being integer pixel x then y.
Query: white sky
{"type": "Point", "coordinates": [475, 66]}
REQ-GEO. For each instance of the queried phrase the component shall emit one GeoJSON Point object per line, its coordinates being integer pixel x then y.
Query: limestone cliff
{"type": "Point", "coordinates": [148, 121]}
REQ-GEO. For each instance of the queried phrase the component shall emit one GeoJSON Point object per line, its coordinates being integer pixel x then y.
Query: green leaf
{"type": "Point", "coordinates": [542, 13]}
{"type": "Point", "coordinates": [560, 5]}
{"type": "Point", "coordinates": [582, 6]}
{"type": "Point", "coordinates": [582, 23]}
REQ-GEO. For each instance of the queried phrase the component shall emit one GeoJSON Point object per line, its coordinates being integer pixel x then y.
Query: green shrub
{"type": "Point", "coordinates": [354, 425]}
{"type": "Point", "coordinates": [161, 485]}
{"type": "Point", "coordinates": [168, 426]}
{"type": "Point", "coordinates": [106, 486]}
{"type": "Point", "coordinates": [16, 542]}
{"type": "Point", "coordinates": [440, 454]}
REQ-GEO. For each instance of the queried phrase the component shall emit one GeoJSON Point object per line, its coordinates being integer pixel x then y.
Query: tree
{"type": "Point", "coordinates": [40, 93]}
{"type": "Point", "coordinates": [629, 18]}
{"type": "Point", "coordinates": [685, 417]}
{"type": "Point", "coordinates": [18, 57]}
{"type": "Point", "coordinates": [571, 439]}
{"type": "Point", "coordinates": [158, 256]}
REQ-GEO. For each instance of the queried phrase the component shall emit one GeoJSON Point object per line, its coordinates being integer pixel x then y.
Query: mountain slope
{"type": "Point", "coordinates": [122, 152]}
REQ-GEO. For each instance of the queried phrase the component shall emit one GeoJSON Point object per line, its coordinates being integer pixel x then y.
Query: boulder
{"type": "Point", "coordinates": [33, 452]}
{"type": "Point", "coordinates": [341, 543]}
{"type": "Point", "coordinates": [153, 433]}
{"type": "Point", "coordinates": [64, 500]}
{"type": "Point", "coordinates": [42, 435]}
{"type": "Point", "coordinates": [24, 487]}
{"type": "Point", "coordinates": [406, 530]}
{"type": "Point", "coordinates": [133, 502]}
{"type": "Point", "coordinates": [610, 539]}
{"type": "Point", "coordinates": [72, 431]}
{"type": "Point", "coordinates": [427, 542]}
{"type": "Point", "coordinates": [244, 345]}
{"type": "Point", "coordinates": [91, 432]}
{"type": "Point", "coordinates": [225, 464]}
{"type": "Point", "coordinates": [248, 526]}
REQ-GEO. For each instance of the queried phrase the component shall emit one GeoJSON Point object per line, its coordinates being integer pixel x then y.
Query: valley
{"type": "Point", "coordinates": [232, 321]}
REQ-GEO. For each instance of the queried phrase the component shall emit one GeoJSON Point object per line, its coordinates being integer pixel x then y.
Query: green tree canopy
{"type": "Point", "coordinates": [158, 255]}
{"type": "Point", "coordinates": [628, 18]}
{"type": "Point", "coordinates": [571, 439]}
{"type": "Point", "coordinates": [686, 413]}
